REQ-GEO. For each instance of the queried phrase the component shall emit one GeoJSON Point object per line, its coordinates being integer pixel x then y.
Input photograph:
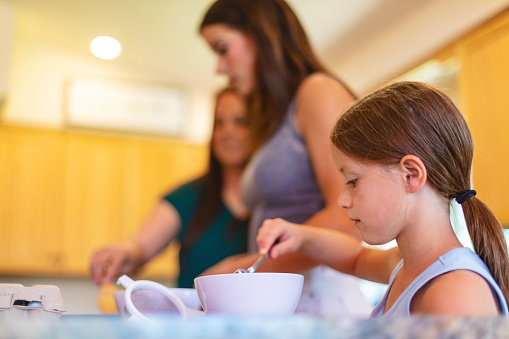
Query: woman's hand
{"type": "Point", "coordinates": [278, 236]}
{"type": "Point", "coordinates": [111, 262]}
{"type": "Point", "coordinates": [160, 228]}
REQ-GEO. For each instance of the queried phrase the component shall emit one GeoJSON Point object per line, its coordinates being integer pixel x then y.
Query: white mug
{"type": "Point", "coordinates": [132, 286]}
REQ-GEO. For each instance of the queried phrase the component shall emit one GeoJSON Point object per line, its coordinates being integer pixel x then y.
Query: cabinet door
{"type": "Point", "coordinates": [484, 83]}
{"type": "Point", "coordinates": [63, 195]}
{"type": "Point", "coordinates": [31, 168]}
{"type": "Point", "coordinates": [111, 186]}
{"type": "Point", "coordinates": [93, 198]}
{"type": "Point", "coordinates": [161, 167]}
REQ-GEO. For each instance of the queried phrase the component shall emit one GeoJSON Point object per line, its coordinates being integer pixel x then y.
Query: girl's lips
{"type": "Point", "coordinates": [356, 221]}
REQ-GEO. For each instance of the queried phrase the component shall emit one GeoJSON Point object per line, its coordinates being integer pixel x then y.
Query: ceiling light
{"type": "Point", "coordinates": [105, 47]}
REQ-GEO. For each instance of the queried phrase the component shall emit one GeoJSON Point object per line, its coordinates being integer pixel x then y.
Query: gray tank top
{"type": "Point", "coordinates": [279, 181]}
{"type": "Point", "coordinates": [457, 259]}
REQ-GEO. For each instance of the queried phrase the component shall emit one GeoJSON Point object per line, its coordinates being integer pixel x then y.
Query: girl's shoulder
{"type": "Point", "coordinates": [451, 294]}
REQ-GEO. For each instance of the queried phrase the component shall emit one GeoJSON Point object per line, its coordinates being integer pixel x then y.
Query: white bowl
{"type": "Point", "coordinates": [250, 294]}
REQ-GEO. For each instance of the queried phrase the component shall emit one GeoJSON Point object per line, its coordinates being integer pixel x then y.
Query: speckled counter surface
{"type": "Point", "coordinates": [231, 327]}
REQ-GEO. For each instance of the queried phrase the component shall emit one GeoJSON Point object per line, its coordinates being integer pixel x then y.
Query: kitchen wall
{"type": "Point", "coordinates": [363, 58]}
{"type": "Point", "coordinates": [33, 75]}
{"type": "Point", "coordinates": [6, 41]}
{"type": "Point", "coordinates": [34, 71]}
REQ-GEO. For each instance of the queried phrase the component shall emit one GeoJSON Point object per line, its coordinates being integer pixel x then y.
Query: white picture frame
{"type": "Point", "coordinates": [126, 106]}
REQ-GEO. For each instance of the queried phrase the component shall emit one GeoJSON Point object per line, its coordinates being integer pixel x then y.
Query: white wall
{"type": "Point", "coordinates": [39, 70]}
{"type": "Point", "coordinates": [6, 37]}
{"type": "Point", "coordinates": [40, 64]}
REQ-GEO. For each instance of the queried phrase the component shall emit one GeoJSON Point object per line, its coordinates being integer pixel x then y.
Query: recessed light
{"type": "Point", "coordinates": [105, 47]}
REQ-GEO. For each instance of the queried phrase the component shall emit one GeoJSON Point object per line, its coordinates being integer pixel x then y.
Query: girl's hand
{"type": "Point", "coordinates": [278, 236]}
{"type": "Point", "coordinates": [229, 264]}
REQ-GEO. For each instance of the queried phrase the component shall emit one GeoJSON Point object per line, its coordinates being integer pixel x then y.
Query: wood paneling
{"type": "Point", "coordinates": [93, 197]}
{"type": "Point", "coordinates": [171, 166]}
{"type": "Point", "coordinates": [29, 203]}
{"type": "Point", "coordinates": [484, 86]}
{"type": "Point", "coordinates": [64, 194]}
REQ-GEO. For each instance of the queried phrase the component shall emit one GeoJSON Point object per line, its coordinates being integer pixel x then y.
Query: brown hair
{"type": "Point", "coordinates": [415, 118]}
{"type": "Point", "coordinates": [284, 56]}
{"type": "Point", "coordinates": [210, 199]}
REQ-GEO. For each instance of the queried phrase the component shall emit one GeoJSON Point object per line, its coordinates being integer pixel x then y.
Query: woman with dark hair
{"type": "Point", "coordinates": [292, 102]}
{"type": "Point", "coordinates": [405, 153]}
{"type": "Point", "coordinates": [206, 215]}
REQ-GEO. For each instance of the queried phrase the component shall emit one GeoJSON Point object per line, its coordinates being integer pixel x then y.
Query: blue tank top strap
{"type": "Point", "coordinates": [290, 120]}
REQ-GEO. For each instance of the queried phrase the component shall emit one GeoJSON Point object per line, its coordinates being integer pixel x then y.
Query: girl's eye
{"type": "Point", "coordinates": [241, 122]}
{"type": "Point", "coordinates": [221, 50]}
{"type": "Point", "coordinates": [352, 182]}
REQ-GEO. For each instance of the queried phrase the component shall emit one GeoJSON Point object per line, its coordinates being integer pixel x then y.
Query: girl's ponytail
{"type": "Point", "coordinates": [488, 240]}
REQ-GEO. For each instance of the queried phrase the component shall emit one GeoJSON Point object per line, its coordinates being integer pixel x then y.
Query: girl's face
{"type": "Point", "coordinates": [374, 196]}
{"type": "Point", "coordinates": [230, 137]}
{"type": "Point", "coordinates": [236, 55]}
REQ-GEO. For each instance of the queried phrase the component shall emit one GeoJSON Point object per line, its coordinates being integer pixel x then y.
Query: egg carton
{"type": "Point", "coordinates": [18, 302]}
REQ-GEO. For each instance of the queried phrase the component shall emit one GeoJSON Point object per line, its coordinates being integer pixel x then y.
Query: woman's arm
{"type": "Point", "coordinates": [320, 102]}
{"type": "Point", "coordinates": [156, 233]}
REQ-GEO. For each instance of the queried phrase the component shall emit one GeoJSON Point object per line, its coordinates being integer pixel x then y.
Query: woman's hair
{"type": "Point", "coordinates": [210, 200]}
{"type": "Point", "coordinates": [418, 119]}
{"type": "Point", "coordinates": [284, 56]}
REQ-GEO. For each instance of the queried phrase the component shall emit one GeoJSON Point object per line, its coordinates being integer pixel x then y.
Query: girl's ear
{"type": "Point", "coordinates": [415, 172]}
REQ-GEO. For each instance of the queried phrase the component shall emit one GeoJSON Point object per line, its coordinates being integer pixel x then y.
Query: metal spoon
{"type": "Point", "coordinates": [254, 267]}
{"type": "Point", "coordinates": [257, 262]}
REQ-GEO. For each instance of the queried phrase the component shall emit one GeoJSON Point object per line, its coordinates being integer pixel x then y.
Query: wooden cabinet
{"type": "Point", "coordinates": [64, 194]}
{"type": "Point", "coordinates": [481, 90]}
{"type": "Point", "coordinates": [94, 193]}
{"type": "Point", "coordinates": [171, 166]}
{"type": "Point", "coordinates": [484, 87]}
{"type": "Point", "coordinates": [30, 220]}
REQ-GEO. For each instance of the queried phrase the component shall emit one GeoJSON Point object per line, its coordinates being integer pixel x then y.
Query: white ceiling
{"type": "Point", "coordinates": [160, 36]}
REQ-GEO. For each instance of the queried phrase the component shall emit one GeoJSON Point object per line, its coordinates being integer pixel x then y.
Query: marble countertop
{"type": "Point", "coordinates": [298, 326]}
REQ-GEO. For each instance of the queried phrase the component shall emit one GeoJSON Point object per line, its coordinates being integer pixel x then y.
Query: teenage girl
{"type": "Point", "coordinates": [293, 101]}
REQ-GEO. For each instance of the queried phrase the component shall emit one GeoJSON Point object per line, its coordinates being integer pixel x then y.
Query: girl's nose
{"type": "Point", "coordinates": [221, 66]}
{"type": "Point", "coordinates": [344, 201]}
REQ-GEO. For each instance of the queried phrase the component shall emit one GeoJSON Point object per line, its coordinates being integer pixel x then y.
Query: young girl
{"type": "Point", "coordinates": [405, 153]}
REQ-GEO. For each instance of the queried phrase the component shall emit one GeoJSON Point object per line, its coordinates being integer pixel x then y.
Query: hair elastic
{"type": "Point", "coordinates": [465, 196]}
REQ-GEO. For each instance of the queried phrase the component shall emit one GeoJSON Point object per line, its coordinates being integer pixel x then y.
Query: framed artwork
{"type": "Point", "coordinates": [126, 106]}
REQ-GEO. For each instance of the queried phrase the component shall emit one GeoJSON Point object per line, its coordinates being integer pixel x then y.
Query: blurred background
{"type": "Point", "coordinates": [73, 178]}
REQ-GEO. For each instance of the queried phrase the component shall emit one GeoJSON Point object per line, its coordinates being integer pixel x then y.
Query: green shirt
{"type": "Point", "coordinates": [225, 236]}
